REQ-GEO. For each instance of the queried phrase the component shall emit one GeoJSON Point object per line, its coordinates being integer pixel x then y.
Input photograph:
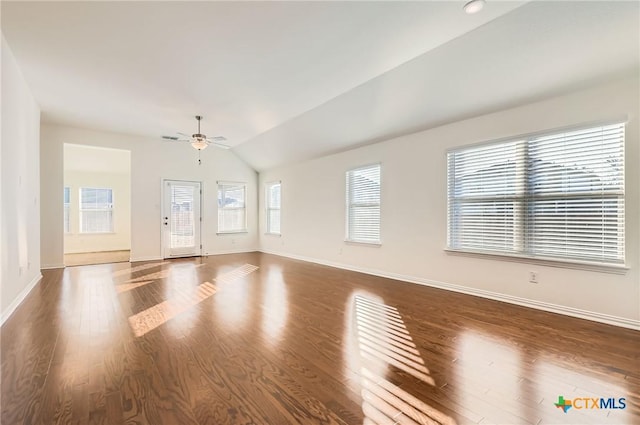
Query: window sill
{"type": "Point", "coordinates": [232, 232]}
{"type": "Point", "coordinates": [90, 233]}
{"type": "Point", "coordinates": [366, 243]}
{"type": "Point", "coordinates": [277, 235]}
{"type": "Point", "coordinates": [544, 261]}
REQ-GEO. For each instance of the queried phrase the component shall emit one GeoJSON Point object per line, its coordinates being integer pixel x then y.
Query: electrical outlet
{"type": "Point", "coordinates": [533, 277]}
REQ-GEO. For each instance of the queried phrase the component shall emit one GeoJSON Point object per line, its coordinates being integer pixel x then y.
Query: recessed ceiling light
{"type": "Point", "coordinates": [474, 6]}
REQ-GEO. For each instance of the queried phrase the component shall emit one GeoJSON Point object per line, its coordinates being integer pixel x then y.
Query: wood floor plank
{"type": "Point", "coordinates": [283, 341]}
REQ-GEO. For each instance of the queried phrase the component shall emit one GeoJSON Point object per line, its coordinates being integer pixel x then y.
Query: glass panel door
{"type": "Point", "coordinates": [181, 219]}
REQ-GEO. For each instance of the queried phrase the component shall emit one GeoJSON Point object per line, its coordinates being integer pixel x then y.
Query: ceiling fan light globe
{"type": "Point", "coordinates": [199, 144]}
{"type": "Point", "coordinates": [473, 6]}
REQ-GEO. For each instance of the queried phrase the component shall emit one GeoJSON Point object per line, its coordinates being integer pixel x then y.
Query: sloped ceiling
{"type": "Point", "coordinates": [286, 81]}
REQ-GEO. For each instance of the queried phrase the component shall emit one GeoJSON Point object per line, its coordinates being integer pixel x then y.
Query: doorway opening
{"type": "Point", "coordinates": [97, 205]}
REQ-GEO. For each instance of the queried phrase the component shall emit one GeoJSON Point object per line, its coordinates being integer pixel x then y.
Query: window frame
{"type": "Point", "coordinates": [525, 219]}
{"type": "Point", "coordinates": [348, 207]}
{"type": "Point", "coordinates": [224, 208]}
{"type": "Point", "coordinates": [269, 208]}
{"type": "Point", "coordinates": [66, 210]}
{"type": "Point", "coordinates": [110, 209]}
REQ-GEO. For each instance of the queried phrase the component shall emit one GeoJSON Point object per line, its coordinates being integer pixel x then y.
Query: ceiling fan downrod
{"type": "Point", "coordinates": [199, 117]}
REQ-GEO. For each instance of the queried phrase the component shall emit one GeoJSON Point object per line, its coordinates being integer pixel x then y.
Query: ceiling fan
{"type": "Point", "coordinates": [198, 140]}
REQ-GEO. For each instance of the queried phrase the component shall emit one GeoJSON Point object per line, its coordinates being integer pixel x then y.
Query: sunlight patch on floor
{"type": "Point", "coordinates": [236, 274]}
{"type": "Point", "coordinates": [183, 297]}
{"type": "Point", "coordinates": [131, 270]}
{"type": "Point", "coordinates": [162, 274]}
{"type": "Point", "coordinates": [383, 336]}
{"type": "Point", "coordinates": [129, 286]}
{"type": "Point", "coordinates": [383, 339]}
{"type": "Point", "coordinates": [151, 318]}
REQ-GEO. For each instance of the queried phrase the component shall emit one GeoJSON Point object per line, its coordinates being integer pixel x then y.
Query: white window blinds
{"type": "Point", "coordinates": [273, 208]}
{"type": "Point", "coordinates": [96, 210]}
{"type": "Point", "coordinates": [363, 204]}
{"type": "Point", "coordinates": [560, 196]}
{"type": "Point", "coordinates": [182, 226]}
{"type": "Point", "coordinates": [232, 216]}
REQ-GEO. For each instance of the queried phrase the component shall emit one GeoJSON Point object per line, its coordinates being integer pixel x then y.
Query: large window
{"type": "Point", "coordinates": [232, 216]}
{"type": "Point", "coordinates": [67, 203]}
{"type": "Point", "coordinates": [273, 208]}
{"type": "Point", "coordinates": [363, 204]}
{"type": "Point", "coordinates": [559, 196]}
{"type": "Point", "coordinates": [96, 210]}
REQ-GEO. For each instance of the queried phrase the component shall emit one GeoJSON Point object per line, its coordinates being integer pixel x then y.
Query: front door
{"type": "Point", "coordinates": [181, 219]}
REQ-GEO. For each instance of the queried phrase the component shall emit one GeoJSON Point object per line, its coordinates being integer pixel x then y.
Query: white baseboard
{"type": "Point", "coordinates": [18, 300]}
{"type": "Point", "coordinates": [149, 258]}
{"type": "Point", "coordinates": [231, 251]}
{"type": "Point", "coordinates": [51, 266]}
{"type": "Point", "coordinates": [81, 251]}
{"type": "Point", "coordinates": [525, 302]}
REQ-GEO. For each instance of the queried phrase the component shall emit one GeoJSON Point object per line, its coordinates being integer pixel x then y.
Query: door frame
{"type": "Point", "coordinates": [164, 243]}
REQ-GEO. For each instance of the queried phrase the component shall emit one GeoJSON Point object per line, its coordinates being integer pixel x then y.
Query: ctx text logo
{"type": "Point", "coordinates": [590, 403]}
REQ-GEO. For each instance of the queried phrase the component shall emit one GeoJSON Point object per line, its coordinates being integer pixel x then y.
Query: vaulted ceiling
{"type": "Point", "coordinates": [287, 81]}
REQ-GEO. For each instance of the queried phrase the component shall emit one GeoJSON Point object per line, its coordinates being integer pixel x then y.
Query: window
{"type": "Point", "coordinates": [363, 204]}
{"type": "Point", "coordinates": [232, 217]}
{"type": "Point", "coordinates": [558, 196]}
{"type": "Point", "coordinates": [182, 225]}
{"type": "Point", "coordinates": [96, 210]}
{"type": "Point", "coordinates": [273, 208]}
{"type": "Point", "coordinates": [66, 202]}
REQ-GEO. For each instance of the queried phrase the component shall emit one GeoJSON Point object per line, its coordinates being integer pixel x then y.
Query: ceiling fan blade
{"type": "Point", "coordinates": [175, 139]}
{"type": "Point", "coordinates": [183, 134]}
{"type": "Point", "coordinates": [217, 141]}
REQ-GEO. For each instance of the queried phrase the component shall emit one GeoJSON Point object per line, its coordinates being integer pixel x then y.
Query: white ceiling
{"type": "Point", "coordinates": [535, 52]}
{"type": "Point", "coordinates": [286, 81]}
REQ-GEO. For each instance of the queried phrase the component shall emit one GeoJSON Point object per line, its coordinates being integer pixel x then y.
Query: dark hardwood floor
{"type": "Point", "coordinates": [260, 339]}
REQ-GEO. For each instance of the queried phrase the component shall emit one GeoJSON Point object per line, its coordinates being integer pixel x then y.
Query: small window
{"type": "Point", "coordinates": [232, 216]}
{"type": "Point", "coordinates": [96, 210]}
{"type": "Point", "coordinates": [363, 204]}
{"type": "Point", "coordinates": [67, 202]}
{"type": "Point", "coordinates": [273, 208]}
{"type": "Point", "coordinates": [559, 196]}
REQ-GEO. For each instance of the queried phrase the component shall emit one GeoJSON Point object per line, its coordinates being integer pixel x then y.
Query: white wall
{"type": "Point", "coordinates": [120, 238]}
{"type": "Point", "coordinates": [414, 210]}
{"type": "Point", "coordinates": [152, 160]}
{"type": "Point", "coordinates": [51, 208]}
{"type": "Point", "coordinates": [20, 186]}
